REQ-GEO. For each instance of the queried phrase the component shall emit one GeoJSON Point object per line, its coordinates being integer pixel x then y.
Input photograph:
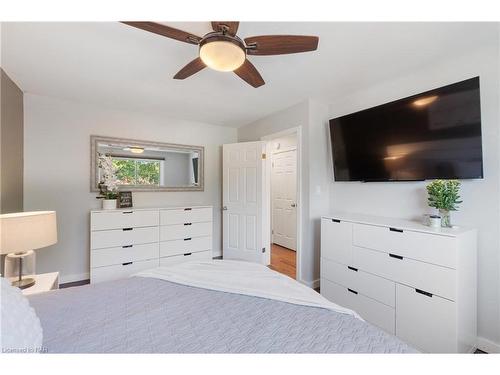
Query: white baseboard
{"type": "Point", "coordinates": [487, 346]}
{"type": "Point", "coordinates": [311, 284]}
{"type": "Point", "coordinates": [63, 279]}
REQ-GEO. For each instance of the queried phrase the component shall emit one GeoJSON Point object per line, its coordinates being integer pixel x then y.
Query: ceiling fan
{"type": "Point", "coordinates": [224, 51]}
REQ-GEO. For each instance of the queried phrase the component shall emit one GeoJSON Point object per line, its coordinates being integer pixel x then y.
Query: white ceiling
{"type": "Point", "coordinates": [115, 65]}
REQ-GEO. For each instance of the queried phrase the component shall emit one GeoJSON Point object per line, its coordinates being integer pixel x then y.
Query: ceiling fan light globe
{"type": "Point", "coordinates": [222, 55]}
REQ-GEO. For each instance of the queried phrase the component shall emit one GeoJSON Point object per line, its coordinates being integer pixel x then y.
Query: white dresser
{"type": "Point", "coordinates": [411, 280]}
{"type": "Point", "coordinates": [126, 241]}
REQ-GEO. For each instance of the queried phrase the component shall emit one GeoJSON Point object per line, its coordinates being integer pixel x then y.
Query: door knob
{"type": "Point", "coordinates": [293, 205]}
{"type": "Point", "coordinates": [224, 208]}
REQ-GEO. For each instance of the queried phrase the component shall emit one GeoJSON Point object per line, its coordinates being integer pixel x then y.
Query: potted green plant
{"type": "Point", "coordinates": [444, 195]}
{"type": "Point", "coordinates": [108, 187]}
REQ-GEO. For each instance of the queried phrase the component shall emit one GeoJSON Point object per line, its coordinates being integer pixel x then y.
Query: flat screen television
{"type": "Point", "coordinates": [435, 134]}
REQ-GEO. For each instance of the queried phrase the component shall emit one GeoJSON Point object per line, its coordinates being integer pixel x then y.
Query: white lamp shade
{"type": "Point", "coordinates": [23, 231]}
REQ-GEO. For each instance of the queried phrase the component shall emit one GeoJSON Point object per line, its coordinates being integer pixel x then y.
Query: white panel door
{"type": "Point", "coordinates": [284, 199]}
{"type": "Point", "coordinates": [242, 201]}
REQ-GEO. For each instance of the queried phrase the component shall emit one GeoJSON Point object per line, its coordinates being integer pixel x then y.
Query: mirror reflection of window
{"type": "Point", "coordinates": [135, 171]}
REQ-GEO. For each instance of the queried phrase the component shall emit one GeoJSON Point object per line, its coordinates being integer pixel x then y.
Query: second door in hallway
{"type": "Point", "coordinates": [284, 195]}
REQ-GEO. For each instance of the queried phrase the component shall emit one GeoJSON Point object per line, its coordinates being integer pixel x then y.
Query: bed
{"type": "Point", "coordinates": [204, 307]}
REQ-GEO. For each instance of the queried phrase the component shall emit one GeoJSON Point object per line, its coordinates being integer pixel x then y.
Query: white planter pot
{"type": "Point", "coordinates": [109, 204]}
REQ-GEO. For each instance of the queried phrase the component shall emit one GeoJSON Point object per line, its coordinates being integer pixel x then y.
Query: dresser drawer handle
{"type": "Point", "coordinates": [396, 230]}
{"type": "Point", "coordinates": [127, 246]}
{"type": "Point", "coordinates": [187, 254]}
{"type": "Point", "coordinates": [187, 223]}
{"type": "Point", "coordinates": [396, 256]}
{"type": "Point", "coordinates": [127, 263]}
{"type": "Point", "coordinates": [420, 291]}
{"type": "Point", "coordinates": [352, 291]}
{"type": "Point", "coordinates": [127, 212]}
{"type": "Point", "coordinates": [187, 239]}
{"type": "Point", "coordinates": [188, 209]}
{"type": "Point", "coordinates": [127, 229]}
{"type": "Point", "coordinates": [352, 268]}
{"type": "Point", "coordinates": [336, 220]}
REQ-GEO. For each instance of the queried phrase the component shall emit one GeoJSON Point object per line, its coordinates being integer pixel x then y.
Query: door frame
{"type": "Point", "coordinates": [267, 214]}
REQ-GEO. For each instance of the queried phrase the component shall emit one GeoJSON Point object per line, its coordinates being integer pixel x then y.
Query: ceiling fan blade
{"type": "Point", "coordinates": [249, 74]}
{"type": "Point", "coordinates": [232, 26]}
{"type": "Point", "coordinates": [164, 30]}
{"type": "Point", "coordinates": [193, 67]}
{"type": "Point", "coordinates": [280, 44]}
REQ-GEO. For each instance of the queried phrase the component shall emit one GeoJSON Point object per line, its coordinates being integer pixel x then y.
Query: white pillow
{"type": "Point", "coordinates": [20, 329]}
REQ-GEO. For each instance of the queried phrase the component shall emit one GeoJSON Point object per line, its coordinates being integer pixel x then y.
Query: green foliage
{"type": "Point", "coordinates": [137, 171]}
{"type": "Point", "coordinates": [125, 171]}
{"type": "Point", "coordinates": [148, 172]}
{"type": "Point", "coordinates": [444, 194]}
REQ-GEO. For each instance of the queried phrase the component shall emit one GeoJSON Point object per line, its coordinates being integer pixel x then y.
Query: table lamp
{"type": "Point", "coordinates": [21, 232]}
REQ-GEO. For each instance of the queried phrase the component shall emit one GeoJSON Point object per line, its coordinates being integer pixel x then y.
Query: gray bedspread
{"type": "Point", "coordinates": [145, 315]}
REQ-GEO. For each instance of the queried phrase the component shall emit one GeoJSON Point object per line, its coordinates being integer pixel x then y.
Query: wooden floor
{"type": "Point", "coordinates": [283, 260]}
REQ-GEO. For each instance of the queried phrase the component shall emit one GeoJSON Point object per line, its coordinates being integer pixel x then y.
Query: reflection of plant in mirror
{"type": "Point", "coordinates": [108, 185]}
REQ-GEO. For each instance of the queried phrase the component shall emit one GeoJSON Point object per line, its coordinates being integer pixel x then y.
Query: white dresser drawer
{"type": "Point", "coordinates": [186, 245]}
{"type": "Point", "coordinates": [188, 257]}
{"type": "Point", "coordinates": [185, 215]}
{"type": "Point", "coordinates": [425, 322]}
{"type": "Point", "coordinates": [372, 311]}
{"type": "Point", "coordinates": [123, 254]}
{"type": "Point", "coordinates": [372, 286]}
{"type": "Point", "coordinates": [122, 237]}
{"type": "Point", "coordinates": [120, 271]}
{"type": "Point", "coordinates": [123, 219]}
{"type": "Point", "coordinates": [431, 248]}
{"type": "Point", "coordinates": [181, 231]}
{"type": "Point", "coordinates": [336, 240]}
{"type": "Point", "coordinates": [428, 277]}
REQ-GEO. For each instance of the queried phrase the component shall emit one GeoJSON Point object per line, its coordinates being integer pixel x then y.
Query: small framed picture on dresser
{"type": "Point", "coordinates": [124, 199]}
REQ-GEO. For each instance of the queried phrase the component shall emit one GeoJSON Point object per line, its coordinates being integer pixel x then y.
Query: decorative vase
{"type": "Point", "coordinates": [109, 204]}
{"type": "Point", "coordinates": [445, 218]}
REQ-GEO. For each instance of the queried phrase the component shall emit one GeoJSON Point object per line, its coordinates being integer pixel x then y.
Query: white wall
{"type": "Point", "coordinates": [57, 162]}
{"type": "Point", "coordinates": [311, 117]}
{"type": "Point", "coordinates": [408, 200]}
{"type": "Point", "coordinates": [319, 176]}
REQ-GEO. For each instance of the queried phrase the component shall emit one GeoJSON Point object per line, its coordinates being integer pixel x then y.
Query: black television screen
{"type": "Point", "coordinates": [435, 134]}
